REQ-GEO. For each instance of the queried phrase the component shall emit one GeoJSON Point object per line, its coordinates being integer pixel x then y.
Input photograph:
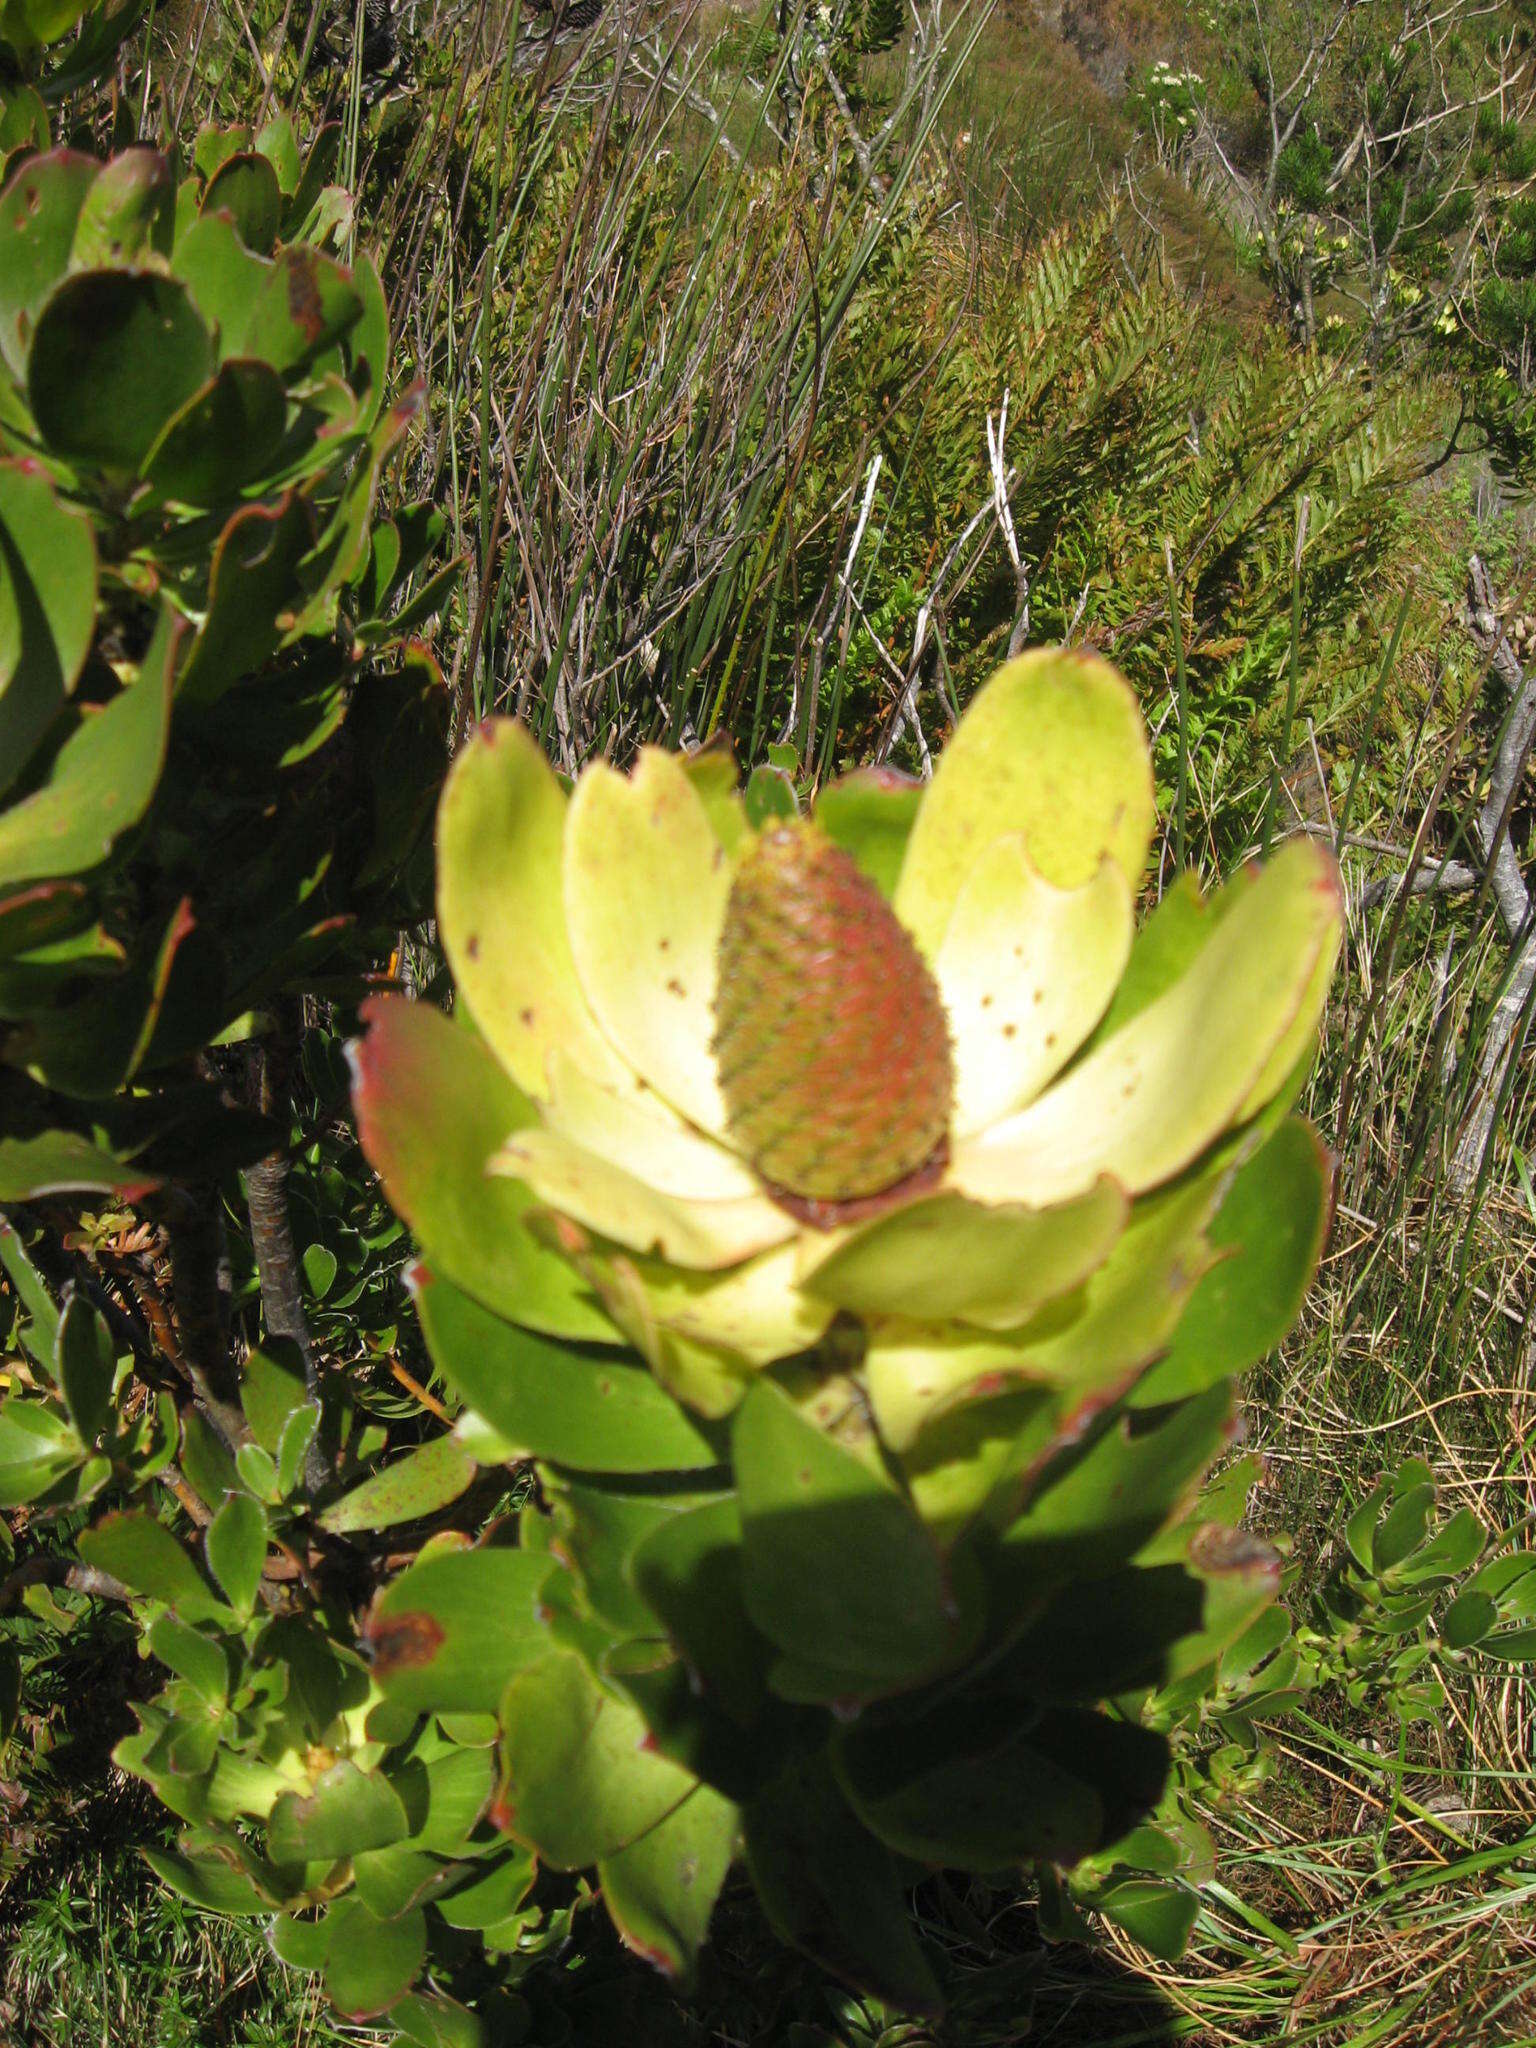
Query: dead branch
{"type": "Point", "coordinates": [1491, 830]}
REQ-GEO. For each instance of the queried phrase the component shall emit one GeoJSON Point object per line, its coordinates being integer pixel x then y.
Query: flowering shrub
{"type": "Point", "coordinates": [861, 1224]}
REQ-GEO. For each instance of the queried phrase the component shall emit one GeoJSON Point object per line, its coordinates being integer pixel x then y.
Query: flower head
{"type": "Point", "coordinates": [904, 1068]}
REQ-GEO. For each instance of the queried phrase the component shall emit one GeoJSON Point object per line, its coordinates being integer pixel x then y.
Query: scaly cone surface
{"type": "Point", "coordinates": [831, 1039]}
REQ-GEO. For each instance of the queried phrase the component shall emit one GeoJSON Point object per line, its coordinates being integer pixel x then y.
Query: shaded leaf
{"type": "Point", "coordinates": [115, 354]}
{"type": "Point", "coordinates": [103, 777]}
{"type": "Point", "coordinates": [47, 610]}
{"type": "Point", "coordinates": [86, 1367]}
{"type": "Point", "coordinates": [832, 1891]}
{"type": "Point", "coordinates": [837, 1569]}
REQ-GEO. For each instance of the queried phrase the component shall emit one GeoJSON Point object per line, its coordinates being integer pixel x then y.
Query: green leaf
{"type": "Point", "coordinates": [1101, 1636]}
{"type": "Point", "coordinates": [368, 343]}
{"type": "Point", "coordinates": [689, 1572]}
{"type": "Point", "coordinates": [1102, 1506]}
{"type": "Point", "coordinates": [418, 1484]}
{"type": "Point", "coordinates": [293, 1445]}
{"type": "Point", "coordinates": [319, 169]}
{"type": "Point", "coordinates": [1503, 1590]}
{"type": "Point", "coordinates": [1164, 948]}
{"type": "Point", "coordinates": [303, 305]}
{"type": "Point", "coordinates": [1360, 1529]}
{"type": "Point", "coordinates": [371, 1963]}
{"type": "Point", "coordinates": [23, 120]}
{"type": "Point", "coordinates": [1467, 1620]}
{"type": "Point", "coordinates": [832, 1891]}
{"type": "Point", "coordinates": [257, 1470]}
{"type": "Point", "coordinates": [432, 1104]}
{"type": "Point", "coordinates": [1056, 1788]}
{"type": "Point", "coordinates": [214, 146]}
{"type": "Point", "coordinates": [34, 1429]}
{"type": "Point", "coordinates": [1402, 1529]}
{"type": "Point", "coordinates": [870, 814]}
{"type": "Point", "coordinates": [56, 1162]}
{"type": "Point", "coordinates": [1267, 1237]}
{"type": "Point", "coordinates": [223, 277]}
{"type": "Point", "coordinates": [196, 1658]}
{"type": "Point", "coordinates": [46, 913]}
{"type": "Point", "coordinates": [596, 1530]}
{"type": "Point", "coordinates": [41, 1338]}
{"type": "Point", "coordinates": [253, 585]}
{"type": "Point", "coordinates": [446, 1635]}
{"type": "Point", "coordinates": [39, 209]}
{"type": "Point", "coordinates": [278, 143]}
{"type": "Point", "coordinates": [38, 1450]}
{"type": "Point", "coordinates": [946, 1257]}
{"type": "Point", "coordinates": [347, 1812]}
{"type": "Point", "coordinates": [319, 1269]}
{"type": "Point", "coordinates": [86, 1367]}
{"type": "Point", "coordinates": [271, 1388]}
{"type": "Point", "coordinates": [594, 1414]}
{"type": "Point", "coordinates": [115, 354]}
{"type": "Point", "coordinates": [148, 1559]}
{"type": "Point", "coordinates": [301, 1944]}
{"type": "Point", "coordinates": [128, 212]}
{"type": "Point", "coordinates": [206, 1461]}
{"type": "Point", "coordinates": [446, 1797]}
{"type": "Point", "coordinates": [208, 1881]}
{"type": "Point", "coordinates": [493, 1896]}
{"type": "Point", "coordinates": [245, 187]}
{"type": "Point", "coordinates": [434, 2022]}
{"type": "Point", "coordinates": [1448, 1553]}
{"type": "Point", "coordinates": [236, 1545]}
{"type": "Point", "coordinates": [10, 1689]}
{"type": "Point", "coordinates": [661, 1890]}
{"type": "Point", "coordinates": [585, 1782]}
{"type": "Point", "coordinates": [29, 25]}
{"type": "Point", "coordinates": [1158, 1915]}
{"type": "Point", "coordinates": [102, 779]}
{"type": "Point", "coordinates": [222, 439]}
{"type": "Point", "coordinates": [712, 771]}
{"type": "Point", "coordinates": [47, 610]}
{"type": "Point", "coordinates": [769, 797]}
{"type": "Point", "coordinates": [1511, 1645]}
{"type": "Point", "coordinates": [837, 1569]}
{"type": "Point", "coordinates": [391, 1881]}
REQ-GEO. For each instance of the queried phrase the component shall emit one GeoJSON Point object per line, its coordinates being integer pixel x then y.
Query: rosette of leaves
{"type": "Point", "coordinates": [216, 734]}
{"type": "Point", "coordinates": [862, 1224]}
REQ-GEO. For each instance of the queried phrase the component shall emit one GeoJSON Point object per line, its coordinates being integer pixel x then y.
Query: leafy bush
{"type": "Point", "coordinates": [219, 748]}
{"type": "Point", "coordinates": [216, 739]}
